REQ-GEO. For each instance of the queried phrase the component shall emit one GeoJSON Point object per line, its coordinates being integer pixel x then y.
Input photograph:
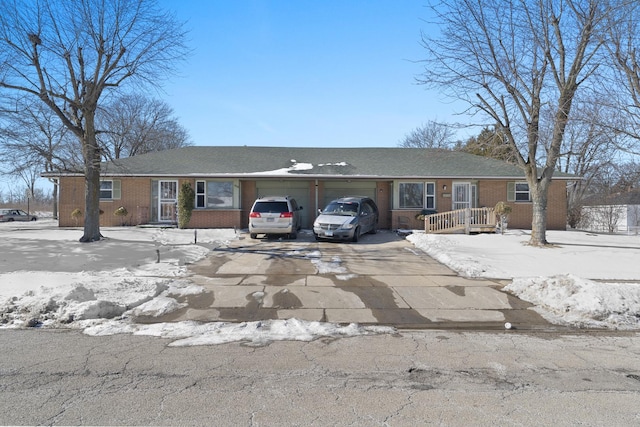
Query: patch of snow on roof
{"type": "Point", "coordinates": [283, 171]}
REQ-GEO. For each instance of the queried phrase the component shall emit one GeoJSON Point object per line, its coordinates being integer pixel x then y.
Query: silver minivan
{"type": "Point", "coordinates": [346, 218]}
{"type": "Point", "coordinates": [278, 215]}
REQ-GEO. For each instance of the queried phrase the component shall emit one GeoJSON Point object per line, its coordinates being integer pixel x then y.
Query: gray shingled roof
{"type": "Point", "coordinates": [312, 162]}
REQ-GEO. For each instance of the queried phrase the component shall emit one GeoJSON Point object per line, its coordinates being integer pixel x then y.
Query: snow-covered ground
{"type": "Point", "coordinates": [99, 285]}
{"type": "Point", "coordinates": [584, 279]}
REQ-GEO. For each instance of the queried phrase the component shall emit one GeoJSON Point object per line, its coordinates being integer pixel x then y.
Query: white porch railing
{"type": "Point", "coordinates": [468, 220]}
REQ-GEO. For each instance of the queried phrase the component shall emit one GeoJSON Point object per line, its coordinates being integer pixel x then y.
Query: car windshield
{"type": "Point", "coordinates": [341, 208]}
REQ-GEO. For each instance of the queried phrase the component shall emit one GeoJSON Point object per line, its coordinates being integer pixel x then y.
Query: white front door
{"type": "Point", "coordinates": [167, 201]}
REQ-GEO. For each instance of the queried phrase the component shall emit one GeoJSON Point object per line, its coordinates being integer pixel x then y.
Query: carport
{"type": "Point", "coordinates": [304, 190]}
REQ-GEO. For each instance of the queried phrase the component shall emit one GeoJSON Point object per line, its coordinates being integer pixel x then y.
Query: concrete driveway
{"type": "Point", "coordinates": [383, 279]}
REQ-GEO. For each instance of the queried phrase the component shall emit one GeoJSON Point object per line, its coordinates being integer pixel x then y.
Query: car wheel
{"type": "Point", "coordinates": [33, 219]}
{"type": "Point", "coordinates": [10, 220]}
{"type": "Point", "coordinates": [254, 235]}
{"type": "Point", "coordinates": [316, 236]}
{"type": "Point", "coordinates": [356, 235]}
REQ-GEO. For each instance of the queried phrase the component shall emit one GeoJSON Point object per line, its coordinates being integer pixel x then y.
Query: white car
{"type": "Point", "coordinates": [9, 215]}
{"type": "Point", "coordinates": [279, 215]}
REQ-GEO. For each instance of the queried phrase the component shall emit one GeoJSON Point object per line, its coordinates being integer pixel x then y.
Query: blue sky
{"type": "Point", "coordinates": [303, 73]}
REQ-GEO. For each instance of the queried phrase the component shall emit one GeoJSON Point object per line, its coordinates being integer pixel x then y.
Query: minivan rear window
{"type": "Point", "coordinates": [266, 207]}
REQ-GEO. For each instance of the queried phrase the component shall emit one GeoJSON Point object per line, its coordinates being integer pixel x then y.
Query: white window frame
{"type": "Point", "coordinates": [115, 190]}
{"type": "Point", "coordinates": [513, 192]}
{"type": "Point", "coordinates": [428, 195]}
{"type": "Point", "coordinates": [201, 201]}
{"type": "Point", "coordinates": [201, 196]}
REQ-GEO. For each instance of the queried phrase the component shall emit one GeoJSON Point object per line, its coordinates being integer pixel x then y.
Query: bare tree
{"type": "Point", "coordinates": [70, 53]}
{"type": "Point", "coordinates": [34, 137]}
{"type": "Point", "coordinates": [22, 167]}
{"type": "Point", "coordinates": [431, 134]}
{"type": "Point", "coordinates": [624, 46]}
{"type": "Point", "coordinates": [134, 124]}
{"type": "Point", "coordinates": [588, 148]}
{"type": "Point", "coordinates": [515, 63]}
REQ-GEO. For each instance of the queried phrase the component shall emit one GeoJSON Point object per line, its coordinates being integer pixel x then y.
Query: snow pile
{"type": "Point", "coordinates": [102, 301]}
{"type": "Point", "coordinates": [581, 279]}
{"type": "Point", "coordinates": [580, 302]}
{"type": "Point", "coordinates": [254, 333]}
{"type": "Point", "coordinates": [91, 296]}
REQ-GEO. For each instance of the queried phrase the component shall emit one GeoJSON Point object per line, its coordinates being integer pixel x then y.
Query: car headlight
{"type": "Point", "coordinates": [349, 225]}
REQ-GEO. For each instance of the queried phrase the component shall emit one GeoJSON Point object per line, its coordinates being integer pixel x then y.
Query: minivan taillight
{"type": "Point", "coordinates": [254, 215]}
{"type": "Point", "coordinates": [286, 215]}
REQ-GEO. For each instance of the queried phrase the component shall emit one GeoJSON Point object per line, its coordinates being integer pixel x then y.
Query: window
{"type": "Point", "coordinates": [110, 189]}
{"type": "Point", "coordinates": [430, 196]}
{"type": "Point", "coordinates": [214, 194]}
{"type": "Point", "coordinates": [518, 192]}
{"type": "Point", "coordinates": [201, 194]}
{"type": "Point", "coordinates": [411, 195]}
{"type": "Point", "coordinates": [417, 195]}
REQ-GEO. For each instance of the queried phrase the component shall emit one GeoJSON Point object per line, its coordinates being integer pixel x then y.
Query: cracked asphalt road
{"type": "Point", "coordinates": [62, 377]}
{"type": "Point", "coordinates": [415, 377]}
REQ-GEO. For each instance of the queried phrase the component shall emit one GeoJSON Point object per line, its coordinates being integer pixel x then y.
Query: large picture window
{"type": "Point", "coordinates": [214, 194]}
{"type": "Point", "coordinates": [417, 195]}
{"type": "Point", "coordinates": [411, 195]}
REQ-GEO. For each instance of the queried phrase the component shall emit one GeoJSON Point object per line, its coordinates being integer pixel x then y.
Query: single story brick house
{"type": "Point", "coordinates": [227, 180]}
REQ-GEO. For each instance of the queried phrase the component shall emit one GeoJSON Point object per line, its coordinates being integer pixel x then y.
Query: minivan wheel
{"type": "Point", "coordinates": [253, 235]}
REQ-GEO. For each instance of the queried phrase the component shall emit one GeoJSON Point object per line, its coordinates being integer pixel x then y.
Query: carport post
{"type": "Point", "coordinates": [316, 207]}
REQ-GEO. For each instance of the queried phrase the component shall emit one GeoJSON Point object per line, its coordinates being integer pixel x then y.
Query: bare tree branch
{"type": "Point", "coordinates": [67, 53]}
{"type": "Point", "coordinates": [524, 62]}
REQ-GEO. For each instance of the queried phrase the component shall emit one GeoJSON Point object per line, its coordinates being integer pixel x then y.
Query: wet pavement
{"type": "Point", "coordinates": [383, 279]}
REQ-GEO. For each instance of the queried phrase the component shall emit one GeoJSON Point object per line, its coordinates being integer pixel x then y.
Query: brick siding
{"type": "Point", "coordinates": [136, 198]}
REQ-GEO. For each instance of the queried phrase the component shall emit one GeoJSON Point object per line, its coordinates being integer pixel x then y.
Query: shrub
{"type": "Point", "coordinates": [122, 213]}
{"type": "Point", "coordinates": [76, 214]}
{"type": "Point", "coordinates": [503, 210]}
{"type": "Point", "coordinates": [186, 204]}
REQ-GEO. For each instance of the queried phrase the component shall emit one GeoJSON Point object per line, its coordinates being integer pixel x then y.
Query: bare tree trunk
{"type": "Point", "coordinates": [539, 219]}
{"type": "Point", "coordinates": [92, 159]}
